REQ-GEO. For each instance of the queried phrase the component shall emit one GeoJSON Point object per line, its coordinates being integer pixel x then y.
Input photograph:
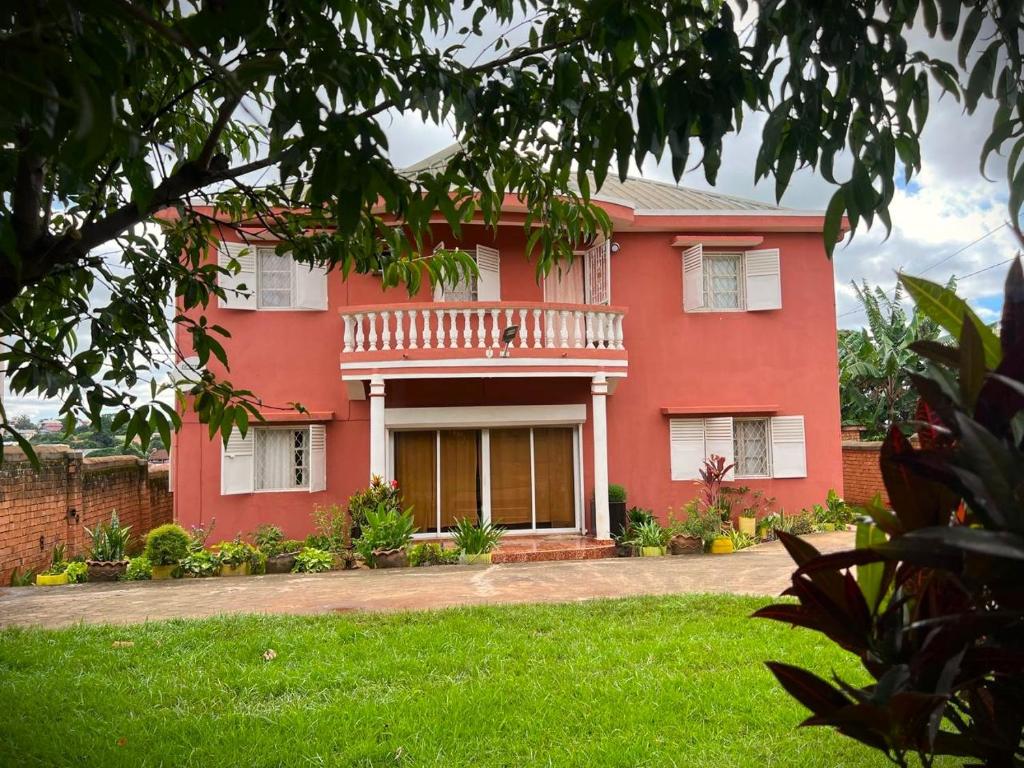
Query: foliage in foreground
{"type": "Point", "coordinates": [275, 111]}
{"type": "Point", "coordinates": [936, 610]}
{"type": "Point", "coordinates": [670, 681]}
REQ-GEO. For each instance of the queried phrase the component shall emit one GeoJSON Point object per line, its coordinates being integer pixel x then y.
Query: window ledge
{"type": "Point", "coordinates": [293, 417]}
{"type": "Point", "coordinates": [703, 410]}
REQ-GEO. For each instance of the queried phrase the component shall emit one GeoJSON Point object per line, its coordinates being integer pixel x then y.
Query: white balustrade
{"type": "Point", "coordinates": [437, 326]}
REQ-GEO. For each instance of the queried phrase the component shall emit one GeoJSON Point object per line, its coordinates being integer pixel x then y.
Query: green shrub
{"type": "Point", "coordinates": [616, 493]}
{"type": "Point", "coordinates": [139, 569]}
{"type": "Point", "coordinates": [332, 526]}
{"type": "Point", "coordinates": [238, 552]}
{"type": "Point", "coordinates": [20, 578]}
{"type": "Point", "coordinates": [386, 528]}
{"type": "Point", "coordinates": [77, 572]}
{"type": "Point", "coordinates": [109, 542]}
{"type": "Point", "coordinates": [166, 544]}
{"type": "Point", "coordinates": [835, 512]}
{"type": "Point", "coordinates": [199, 564]}
{"type": "Point", "coordinates": [311, 560]}
{"type": "Point", "coordinates": [268, 538]}
{"type": "Point", "coordinates": [476, 539]}
{"type": "Point", "coordinates": [649, 533]}
{"type": "Point", "coordinates": [741, 540]}
{"type": "Point", "coordinates": [316, 541]}
{"type": "Point", "coordinates": [429, 553]}
{"type": "Point", "coordinates": [369, 499]}
{"type": "Point", "coordinates": [289, 546]}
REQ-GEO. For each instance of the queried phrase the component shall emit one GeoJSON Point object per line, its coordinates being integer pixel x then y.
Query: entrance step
{"type": "Point", "coordinates": [535, 549]}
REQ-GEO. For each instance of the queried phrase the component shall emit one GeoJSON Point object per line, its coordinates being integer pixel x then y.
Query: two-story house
{"type": "Point", "coordinates": [704, 325]}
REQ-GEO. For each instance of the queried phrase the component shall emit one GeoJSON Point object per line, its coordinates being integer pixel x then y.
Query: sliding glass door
{"type": "Point", "coordinates": [520, 478]}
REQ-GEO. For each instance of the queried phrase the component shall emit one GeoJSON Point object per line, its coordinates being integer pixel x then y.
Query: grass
{"type": "Point", "coordinates": [674, 681]}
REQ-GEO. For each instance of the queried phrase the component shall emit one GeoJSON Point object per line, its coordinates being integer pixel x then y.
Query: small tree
{"type": "Point", "coordinates": [875, 362]}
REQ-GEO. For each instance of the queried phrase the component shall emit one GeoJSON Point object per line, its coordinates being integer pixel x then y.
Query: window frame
{"type": "Point", "coordinates": [767, 447]}
{"type": "Point", "coordinates": [260, 252]}
{"type": "Point", "coordinates": [258, 433]}
{"type": "Point", "coordinates": [741, 294]}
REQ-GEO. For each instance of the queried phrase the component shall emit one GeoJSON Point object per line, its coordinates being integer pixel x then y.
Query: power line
{"type": "Point", "coordinates": [943, 260]}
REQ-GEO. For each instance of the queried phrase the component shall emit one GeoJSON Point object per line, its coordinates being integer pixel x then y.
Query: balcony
{"type": "Point", "coordinates": [466, 338]}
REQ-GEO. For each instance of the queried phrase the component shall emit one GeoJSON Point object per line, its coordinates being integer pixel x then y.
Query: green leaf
{"type": "Point", "coordinates": [869, 575]}
{"type": "Point", "coordinates": [948, 310]}
{"type": "Point", "coordinates": [834, 220]}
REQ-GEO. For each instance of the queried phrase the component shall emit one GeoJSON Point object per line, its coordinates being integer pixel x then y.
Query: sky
{"type": "Point", "coordinates": [948, 221]}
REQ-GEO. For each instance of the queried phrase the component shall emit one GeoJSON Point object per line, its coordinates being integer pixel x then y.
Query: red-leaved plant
{"type": "Point", "coordinates": [936, 608]}
{"type": "Point", "coordinates": [712, 474]}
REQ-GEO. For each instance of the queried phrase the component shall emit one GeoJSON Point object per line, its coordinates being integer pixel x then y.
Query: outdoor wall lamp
{"type": "Point", "coordinates": [507, 337]}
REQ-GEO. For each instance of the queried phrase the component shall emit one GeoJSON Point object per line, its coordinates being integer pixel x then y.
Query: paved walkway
{"type": "Point", "coordinates": [761, 570]}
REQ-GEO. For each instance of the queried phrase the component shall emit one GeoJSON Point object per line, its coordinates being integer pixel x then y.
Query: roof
{"type": "Point", "coordinates": [640, 194]}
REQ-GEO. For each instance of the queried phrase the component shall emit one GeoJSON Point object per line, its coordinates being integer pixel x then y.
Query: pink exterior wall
{"type": "Point", "coordinates": [785, 357]}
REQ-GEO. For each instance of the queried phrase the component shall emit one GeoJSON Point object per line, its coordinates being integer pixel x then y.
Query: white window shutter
{"type": "Point", "coordinates": [237, 463]}
{"type": "Point", "coordinates": [764, 283]}
{"type": "Point", "coordinates": [789, 450]}
{"type": "Point", "coordinates": [693, 278]}
{"type": "Point", "coordinates": [310, 286]}
{"type": "Point", "coordinates": [236, 296]}
{"type": "Point", "coordinates": [438, 286]}
{"type": "Point", "coordinates": [488, 284]}
{"type": "Point", "coordinates": [718, 440]}
{"type": "Point", "coordinates": [686, 446]}
{"type": "Point", "coordinates": [317, 458]}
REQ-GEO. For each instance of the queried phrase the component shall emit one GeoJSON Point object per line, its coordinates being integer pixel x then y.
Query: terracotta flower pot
{"type": "Point", "coordinates": [282, 563]}
{"type": "Point", "coordinates": [163, 572]}
{"type": "Point", "coordinates": [721, 546]}
{"type": "Point", "coordinates": [51, 579]}
{"type": "Point", "coordinates": [685, 545]}
{"type": "Point", "coordinates": [106, 570]}
{"type": "Point", "coordinates": [390, 558]}
{"type": "Point", "coordinates": [480, 558]}
{"type": "Point", "coordinates": [234, 570]}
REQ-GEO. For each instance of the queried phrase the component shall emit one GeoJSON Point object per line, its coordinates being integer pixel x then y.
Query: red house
{"type": "Point", "coordinates": [705, 324]}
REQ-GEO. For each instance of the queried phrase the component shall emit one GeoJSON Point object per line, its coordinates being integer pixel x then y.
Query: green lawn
{"type": "Point", "coordinates": [672, 681]}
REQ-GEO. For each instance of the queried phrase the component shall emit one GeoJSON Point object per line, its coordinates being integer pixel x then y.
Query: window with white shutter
{"type": "Point", "coordinates": [759, 447]}
{"type": "Point", "coordinates": [268, 280]}
{"type": "Point", "coordinates": [725, 282]}
{"type": "Point", "coordinates": [275, 459]}
{"type": "Point", "coordinates": [484, 286]}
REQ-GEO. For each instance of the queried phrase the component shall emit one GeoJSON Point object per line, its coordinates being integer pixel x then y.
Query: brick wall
{"type": "Point", "coordinates": [862, 475]}
{"type": "Point", "coordinates": [39, 509]}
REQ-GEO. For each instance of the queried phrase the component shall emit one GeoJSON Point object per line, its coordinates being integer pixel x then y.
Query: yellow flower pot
{"type": "Point", "coordinates": [51, 580]}
{"type": "Point", "coordinates": [234, 570]}
{"type": "Point", "coordinates": [163, 572]}
{"type": "Point", "coordinates": [480, 558]}
{"type": "Point", "coordinates": [721, 546]}
{"type": "Point", "coordinates": [652, 551]}
{"type": "Point", "coordinates": [748, 525]}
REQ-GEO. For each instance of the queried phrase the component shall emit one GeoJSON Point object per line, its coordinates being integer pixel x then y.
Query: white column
{"type": "Point", "coordinates": [599, 391]}
{"type": "Point", "coordinates": [378, 437]}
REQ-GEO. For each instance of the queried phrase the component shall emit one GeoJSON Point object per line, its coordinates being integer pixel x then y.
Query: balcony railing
{"type": "Point", "coordinates": [480, 325]}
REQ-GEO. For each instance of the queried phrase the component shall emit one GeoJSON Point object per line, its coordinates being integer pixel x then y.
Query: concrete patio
{"type": "Point", "coordinates": [760, 570]}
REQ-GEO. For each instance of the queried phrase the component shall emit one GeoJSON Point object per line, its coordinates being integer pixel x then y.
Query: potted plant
{"type": "Point", "coordinates": [747, 523]}
{"type": "Point", "coordinates": [386, 534]}
{"type": "Point", "coordinates": [686, 537]}
{"type": "Point", "coordinates": [54, 576]}
{"type": "Point", "coordinates": [76, 572]}
{"type": "Point", "coordinates": [199, 563]}
{"type": "Point", "coordinates": [617, 516]}
{"type": "Point", "coordinates": [235, 558]}
{"type": "Point", "coordinates": [474, 542]}
{"type": "Point", "coordinates": [107, 561]}
{"type": "Point", "coordinates": [166, 547]}
{"type": "Point", "coordinates": [139, 569]}
{"type": "Point", "coordinates": [280, 552]}
{"type": "Point", "coordinates": [650, 537]}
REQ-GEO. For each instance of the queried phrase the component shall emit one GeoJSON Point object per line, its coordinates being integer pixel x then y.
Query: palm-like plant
{"type": "Point", "coordinates": [476, 539]}
{"type": "Point", "coordinates": [875, 362]}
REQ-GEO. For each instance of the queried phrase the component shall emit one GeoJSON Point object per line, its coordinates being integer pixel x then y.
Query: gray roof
{"type": "Point", "coordinates": [640, 194]}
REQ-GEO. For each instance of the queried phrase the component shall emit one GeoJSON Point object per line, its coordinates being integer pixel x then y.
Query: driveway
{"type": "Point", "coordinates": [760, 570]}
